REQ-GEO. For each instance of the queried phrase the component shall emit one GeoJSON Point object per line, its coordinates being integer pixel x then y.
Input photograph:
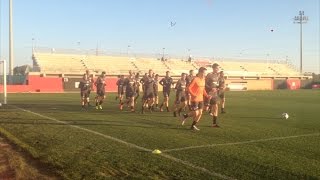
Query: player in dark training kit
{"type": "Point", "coordinates": [101, 88]}
{"type": "Point", "coordinates": [90, 78]}
{"type": "Point", "coordinates": [212, 87]}
{"type": "Point", "coordinates": [148, 94]}
{"type": "Point", "coordinates": [84, 86]}
{"type": "Point", "coordinates": [180, 101]}
{"type": "Point", "coordinates": [156, 95]}
{"type": "Point", "coordinates": [189, 79]}
{"type": "Point", "coordinates": [166, 83]}
{"type": "Point", "coordinates": [120, 84]}
{"type": "Point", "coordinates": [130, 84]}
{"type": "Point", "coordinates": [138, 84]}
{"type": "Point", "coordinates": [222, 86]}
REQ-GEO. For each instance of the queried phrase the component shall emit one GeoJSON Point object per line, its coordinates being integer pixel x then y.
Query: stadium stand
{"type": "Point", "coordinates": [111, 64]}
{"type": "Point", "coordinates": [54, 63]}
{"type": "Point", "coordinates": [178, 66]}
{"type": "Point", "coordinates": [115, 65]}
{"type": "Point", "coordinates": [144, 64]}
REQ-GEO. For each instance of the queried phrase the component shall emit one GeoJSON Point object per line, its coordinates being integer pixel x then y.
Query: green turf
{"type": "Point", "coordinates": [79, 154]}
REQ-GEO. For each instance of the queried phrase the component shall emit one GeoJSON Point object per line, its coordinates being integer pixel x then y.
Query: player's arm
{"type": "Point", "coordinates": [161, 81]}
{"type": "Point", "coordinates": [207, 86]}
{"type": "Point", "coordinates": [192, 84]}
{"type": "Point", "coordinates": [178, 84]}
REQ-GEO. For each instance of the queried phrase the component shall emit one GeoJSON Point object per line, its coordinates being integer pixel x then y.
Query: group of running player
{"type": "Point", "coordinates": [199, 93]}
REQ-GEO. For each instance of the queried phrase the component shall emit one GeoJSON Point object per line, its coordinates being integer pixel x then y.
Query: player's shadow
{"type": "Point", "coordinates": [257, 117]}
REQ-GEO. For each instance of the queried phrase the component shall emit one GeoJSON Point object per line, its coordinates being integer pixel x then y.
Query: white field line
{"type": "Point", "coordinates": [212, 173]}
{"type": "Point", "coordinates": [242, 142]}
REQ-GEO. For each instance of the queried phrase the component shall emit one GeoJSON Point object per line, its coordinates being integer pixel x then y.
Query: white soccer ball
{"type": "Point", "coordinates": [285, 115]}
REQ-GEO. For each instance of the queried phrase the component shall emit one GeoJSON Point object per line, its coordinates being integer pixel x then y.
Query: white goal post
{"type": "Point", "coordinates": [3, 81]}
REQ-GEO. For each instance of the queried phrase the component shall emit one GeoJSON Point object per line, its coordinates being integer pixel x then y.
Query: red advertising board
{"type": "Point", "coordinates": [293, 84]}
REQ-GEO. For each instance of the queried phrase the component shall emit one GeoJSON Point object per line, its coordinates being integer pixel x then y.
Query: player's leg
{"type": "Point", "coordinates": [82, 99]}
{"type": "Point", "coordinates": [156, 100]}
{"type": "Point", "coordinates": [192, 113]}
{"type": "Point", "coordinates": [144, 102]}
{"type": "Point", "coordinates": [176, 104]}
{"type": "Point", "coordinates": [223, 101]}
{"type": "Point", "coordinates": [97, 99]}
{"type": "Point", "coordinates": [88, 98]}
{"type": "Point", "coordinates": [197, 116]}
{"type": "Point", "coordinates": [182, 105]}
{"type": "Point", "coordinates": [214, 110]}
{"type": "Point", "coordinates": [163, 101]}
{"type": "Point", "coordinates": [137, 96]}
{"type": "Point", "coordinates": [132, 103]}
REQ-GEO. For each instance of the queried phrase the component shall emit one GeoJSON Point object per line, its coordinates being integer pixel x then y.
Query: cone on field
{"type": "Point", "coordinates": [156, 151]}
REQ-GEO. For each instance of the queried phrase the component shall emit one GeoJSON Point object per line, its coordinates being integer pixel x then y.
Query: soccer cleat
{"type": "Point", "coordinates": [223, 112]}
{"type": "Point", "coordinates": [100, 107]}
{"type": "Point", "coordinates": [210, 114]}
{"type": "Point", "coordinates": [194, 127]}
{"type": "Point", "coordinates": [215, 126]}
{"type": "Point", "coordinates": [161, 110]}
{"type": "Point", "coordinates": [97, 107]}
{"type": "Point", "coordinates": [174, 114]}
{"type": "Point", "coordinates": [120, 106]}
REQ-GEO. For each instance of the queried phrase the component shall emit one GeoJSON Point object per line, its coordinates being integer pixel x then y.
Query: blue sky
{"type": "Point", "coordinates": [210, 28]}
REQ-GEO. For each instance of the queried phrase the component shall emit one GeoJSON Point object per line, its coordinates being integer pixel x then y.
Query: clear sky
{"type": "Point", "coordinates": [210, 28]}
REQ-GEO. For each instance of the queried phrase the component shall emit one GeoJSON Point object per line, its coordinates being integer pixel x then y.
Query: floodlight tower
{"type": "Point", "coordinates": [10, 39]}
{"type": "Point", "coordinates": [301, 19]}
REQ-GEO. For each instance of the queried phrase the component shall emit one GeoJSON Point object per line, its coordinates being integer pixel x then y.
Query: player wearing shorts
{"type": "Point", "coordinates": [189, 79]}
{"type": "Point", "coordinates": [130, 84]}
{"type": "Point", "coordinates": [156, 85]}
{"type": "Point", "coordinates": [101, 88]}
{"type": "Point", "coordinates": [120, 84]}
{"type": "Point", "coordinates": [180, 101]}
{"type": "Point", "coordinates": [84, 90]}
{"type": "Point", "coordinates": [221, 91]}
{"type": "Point", "coordinates": [212, 87]}
{"type": "Point", "coordinates": [148, 94]}
{"type": "Point", "coordinates": [166, 83]}
{"type": "Point", "coordinates": [90, 78]}
{"type": "Point", "coordinates": [197, 92]}
{"type": "Point", "coordinates": [137, 76]}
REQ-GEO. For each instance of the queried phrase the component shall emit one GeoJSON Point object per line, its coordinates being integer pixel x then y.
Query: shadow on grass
{"type": "Point", "coordinates": [258, 117]}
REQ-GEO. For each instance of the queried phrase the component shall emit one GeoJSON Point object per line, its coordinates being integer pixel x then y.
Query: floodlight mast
{"type": "Point", "coordinates": [301, 19]}
{"type": "Point", "coordinates": [11, 59]}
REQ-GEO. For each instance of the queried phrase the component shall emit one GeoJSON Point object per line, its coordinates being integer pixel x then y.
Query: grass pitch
{"type": "Point", "coordinates": [254, 142]}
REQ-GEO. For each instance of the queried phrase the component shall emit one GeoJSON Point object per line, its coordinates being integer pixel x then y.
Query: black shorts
{"type": "Point", "coordinates": [101, 93]}
{"type": "Point", "coordinates": [180, 97]}
{"type": "Point", "coordinates": [84, 94]}
{"type": "Point", "coordinates": [121, 91]}
{"type": "Point", "coordinates": [166, 93]}
{"type": "Point", "coordinates": [148, 95]}
{"type": "Point", "coordinates": [221, 95]}
{"type": "Point", "coordinates": [196, 105]}
{"type": "Point", "coordinates": [212, 101]}
{"type": "Point", "coordinates": [130, 94]}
